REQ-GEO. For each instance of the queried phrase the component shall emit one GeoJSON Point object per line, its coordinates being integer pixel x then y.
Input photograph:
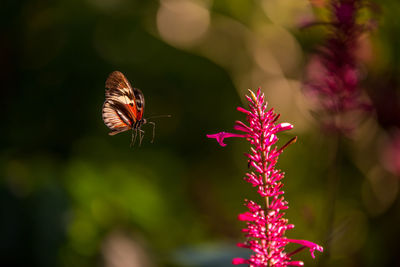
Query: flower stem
{"type": "Point", "coordinates": [333, 188]}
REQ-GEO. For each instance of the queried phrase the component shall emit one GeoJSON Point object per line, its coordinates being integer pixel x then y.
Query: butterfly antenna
{"type": "Point", "coordinates": [160, 116]}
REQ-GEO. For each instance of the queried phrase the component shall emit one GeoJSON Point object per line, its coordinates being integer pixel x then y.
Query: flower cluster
{"type": "Point", "coordinates": [333, 74]}
{"type": "Point", "coordinates": [266, 225]}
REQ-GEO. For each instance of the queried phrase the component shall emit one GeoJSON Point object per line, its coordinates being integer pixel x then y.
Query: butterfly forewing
{"type": "Point", "coordinates": [124, 105]}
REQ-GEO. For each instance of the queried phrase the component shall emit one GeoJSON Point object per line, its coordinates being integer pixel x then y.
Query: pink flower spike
{"type": "Point", "coordinates": [333, 75]}
{"type": "Point", "coordinates": [265, 225]}
{"type": "Point", "coordinates": [222, 135]}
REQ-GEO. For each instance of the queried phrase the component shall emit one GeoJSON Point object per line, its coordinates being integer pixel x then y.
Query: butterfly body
{"type": "Point", "coordinates": [124, 105]}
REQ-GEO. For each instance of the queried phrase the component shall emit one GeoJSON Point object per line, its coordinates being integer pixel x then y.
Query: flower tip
{"type": "Point", "coordinates": [312, 246]}
{"type": "Point", "coordinates": [253, 96]}
{"type": "Point", "coordinates": [240, 109]}
{"type": "Point", "coordinates": [246, 216]}
{"type": "Point", "coordinates": [242, 245]}
{"type": "Point", "coordinates": [296, 263]}
{"type": "Point", "coordinates": [316, 247]}
{"type": "Point", "coordinates": [219, 137]}
{"type": "Point", "coordinates": [284, 126]}
{"type": "Point", "coordinates": [222, 135]}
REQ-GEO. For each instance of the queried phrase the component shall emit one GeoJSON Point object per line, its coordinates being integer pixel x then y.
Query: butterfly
{"type": "Point", "coordinates": [124, 107]}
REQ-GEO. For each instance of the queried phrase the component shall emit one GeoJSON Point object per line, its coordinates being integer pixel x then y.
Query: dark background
{"type": "Point", "coordinates": [70, 195]}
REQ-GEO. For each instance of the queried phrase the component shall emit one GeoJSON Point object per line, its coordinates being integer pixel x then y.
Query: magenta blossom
{"type": "Point", "coordinates": [333, 74]}
{"type": "Point", "coordinates": [266, 225]}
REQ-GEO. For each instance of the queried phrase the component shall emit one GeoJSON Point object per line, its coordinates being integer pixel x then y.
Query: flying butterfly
{"type": "Point", "coordinates": [124, 107]}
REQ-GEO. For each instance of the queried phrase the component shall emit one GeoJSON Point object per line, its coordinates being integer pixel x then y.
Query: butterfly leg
{"type": "Point", "coordinates": [154, 130]}
{"type": "Point", "coordinates": [141, 136]}
{"type": "Point", "coordinates": [134, 135]}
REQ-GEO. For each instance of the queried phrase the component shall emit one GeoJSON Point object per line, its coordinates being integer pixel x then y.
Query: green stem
{"type": "Point", "coordinates": [333, 188]}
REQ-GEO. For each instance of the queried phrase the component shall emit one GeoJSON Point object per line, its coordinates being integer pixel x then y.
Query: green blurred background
{"type": "Point", "coordinates": [70, 195]}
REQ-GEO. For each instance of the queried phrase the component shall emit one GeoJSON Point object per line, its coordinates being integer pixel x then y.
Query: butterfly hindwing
{"type": "Point", "coordinates": [113, 120]}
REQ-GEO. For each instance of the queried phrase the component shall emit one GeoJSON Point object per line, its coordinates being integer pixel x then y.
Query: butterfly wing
{"type": "Point", "coordinates": [120, 110]}
{"type": "Point", "coordinates": [115, 118]}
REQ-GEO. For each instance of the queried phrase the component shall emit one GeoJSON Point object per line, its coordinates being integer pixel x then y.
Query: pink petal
{"type": "Point", "coordinates": [222, 135]}
{"type": "Point", "coordinates": [243, 110]}
{"type": "Point", "coordinates": [295, 263]}
{"type": "Point", "coordinates": [240, 126]}
{"type": "Point", "coordinates": [247, 216]}
{"type": "Point", "coordinates": [237, 261]}
{"type": "Point", "coordinates": [308, 244]}
{"type": "Point", "coordinates": [284, 126]}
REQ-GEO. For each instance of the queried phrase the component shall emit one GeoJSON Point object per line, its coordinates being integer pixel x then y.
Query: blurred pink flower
{"type": "Point", "coordinates": [266, 226]}
{"type": "Point", "coordinates": [333, 74]}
